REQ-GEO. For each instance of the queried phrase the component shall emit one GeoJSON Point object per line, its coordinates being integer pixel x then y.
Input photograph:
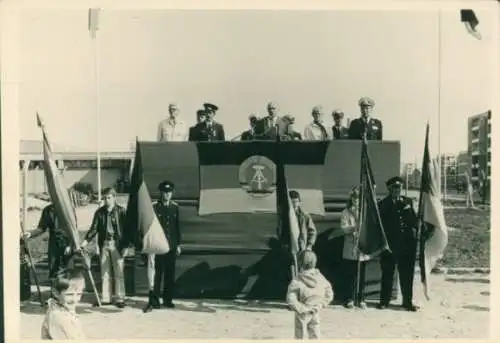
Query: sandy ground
{"type": "Point", "coordinates": [459, 308]}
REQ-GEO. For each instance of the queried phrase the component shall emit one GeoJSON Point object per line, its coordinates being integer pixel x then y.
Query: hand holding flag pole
{"type": "Point", "coordinates": [27, 251]}
{"type": "Point", "coordinates": [64, 210]}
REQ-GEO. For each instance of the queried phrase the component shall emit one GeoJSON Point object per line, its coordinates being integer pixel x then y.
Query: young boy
{"type": "Point", "coordinates": [308, 292]}
{"type": "Point", "coordinates": [60, 320]}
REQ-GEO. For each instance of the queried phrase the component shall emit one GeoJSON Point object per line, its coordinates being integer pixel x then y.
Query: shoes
{"type": "Point", "coordinates": [168, 304]}
{"type": "Point", "coordinates": [349, 304]}
{"type": "Point", "coordinates": [410, 307]}
{"type": "Point", "coordinates": [120, 304]}
{"type": "Point", "coordinates": [362, 305]}
{"type": "Point", "coordinates": [382, 306]}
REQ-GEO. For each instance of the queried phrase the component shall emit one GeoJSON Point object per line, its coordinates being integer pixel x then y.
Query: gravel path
{"type": "Point", "coordinates": [459, 309]}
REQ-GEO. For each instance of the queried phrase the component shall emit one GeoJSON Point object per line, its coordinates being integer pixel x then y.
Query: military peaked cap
{"type": "Point", "coordinates": [366, 101]}
{"type": "Point", "coordinates": [210, 107]}
{"type": "Point", "coordinates": [166, 186]}
{"type": "Point", "coordinates": [394, 181]}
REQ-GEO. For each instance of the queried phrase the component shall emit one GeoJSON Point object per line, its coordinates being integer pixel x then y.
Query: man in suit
{"type": "Point", "coordinates": [366, 125]}
{"type": "Point", "coordinates": [290, 134]}
{"type": "Point", "coordinates": [249, 135]}
{"type": "Point", "coordinates": [107, 225]}
{"type": "Point", "coordinates": [339, 131]}
{"type": "Point", "coordinates": [201, 116]}
{"type": "Point", "coordinates": [167, 212]}
{"type": "Point", "coordinates": [270, 126]}
{"type": "Point", "coordinates": [209, 130]}
{"type": "Point", "coordinates": [400, 225]}
{"type": "Point", "coordinates": [316, 131]}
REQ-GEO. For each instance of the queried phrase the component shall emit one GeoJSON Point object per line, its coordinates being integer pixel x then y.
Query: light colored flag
{"type": "Point", "coordinates": [93, 21]}
{"type": "Point", "coordinates": [64, 210]}
{"type": "Point", "coordinates": [143, 227]}
{"type": "Point", "coordinates": [432, 224]}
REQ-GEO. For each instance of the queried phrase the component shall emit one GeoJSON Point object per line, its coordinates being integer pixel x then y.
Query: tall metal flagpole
{"type": "Point", "coordinates": [93, 28]}
{"type": "Point", "coordinates": [441, 173]}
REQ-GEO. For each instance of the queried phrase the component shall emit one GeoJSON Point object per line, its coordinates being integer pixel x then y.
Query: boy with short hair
{"type": "Point", "coordinates": [308, 292]}
{"type": "Point", "coordinates": [60, 320]}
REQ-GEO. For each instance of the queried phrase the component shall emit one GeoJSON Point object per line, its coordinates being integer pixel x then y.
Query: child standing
{"type": "Point", "coordinates": [60, 320]}
{"type": "Point", "coordinates": [308, 292]}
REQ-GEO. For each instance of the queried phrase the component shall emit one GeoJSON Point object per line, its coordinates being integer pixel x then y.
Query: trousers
{"type": "Point", "coordinates": [112, 264]}
{"type": "Point", "coordinates": [151, 271]}
{"type": "Point", "coordinates": [165, 271]}
{"type": "Point", "coordinates": [406, 270]}
{"type": "Point", "coordinates": [351, 274]}
{"type": "Point", "coordinates": [307, 326]}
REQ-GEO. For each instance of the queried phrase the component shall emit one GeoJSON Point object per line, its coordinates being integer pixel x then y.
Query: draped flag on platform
{"type": "Point", "coordinates": [433, 229]}
{"type": "Point", "coordinates": [241, 178]}
{"type": "Point", "coordinates": [287, 220]}
{"type": "Point", "coordinates": [59, 196]}
{"type": "Point", "coordinates": [142, 224]}
{"type": "Point", "coordinates": [372, 240]}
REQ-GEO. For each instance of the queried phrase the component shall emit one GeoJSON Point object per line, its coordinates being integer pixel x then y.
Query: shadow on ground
{"type": "Point", "coordinates": [467, 280]}
{"type": "Point", "coordinates": [476, 308]}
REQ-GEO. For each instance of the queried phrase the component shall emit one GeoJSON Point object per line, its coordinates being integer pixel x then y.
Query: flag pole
{"type": "Point", "coordinates": [360, 218]}
{"type": "Point", "coordinates": [439, 100]}
{"type": "Point", "coordinates": [93, 26]}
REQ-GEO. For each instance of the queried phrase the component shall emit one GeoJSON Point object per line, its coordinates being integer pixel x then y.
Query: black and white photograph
{"type": "Point", "coordinates": [249, 173]}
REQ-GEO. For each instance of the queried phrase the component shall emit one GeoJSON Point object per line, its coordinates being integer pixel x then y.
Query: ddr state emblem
{"type": "Point", "coordinates": [257, 176]}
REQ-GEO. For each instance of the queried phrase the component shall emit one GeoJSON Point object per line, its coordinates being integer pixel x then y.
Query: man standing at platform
{"type": "Point", "coordinates": [210, 130]}
{"type": "Point", "coordinates": [201, 116]}
{"type": "Point", "coordinates": [366, 125]}
{"type": "Point", "coordinates": [173, 128]}
{"type": "Point", "coordinates": [400, 225]}
{"type": "Point", "coordinates": [167, 212]}
{"type": "Point", "coordinates": [107, 225]}
{"type": "Point", "coordinates": [339, 131]}
{"type": "Point", "coordinates": [316, 131]}
{"type": "Point", "coordinates": [59, 247]}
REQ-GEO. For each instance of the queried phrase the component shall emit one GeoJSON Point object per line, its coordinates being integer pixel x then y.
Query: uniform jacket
{"type": "Point", "coordinates": [100, 222]}
{"type": "Point", "coordinates": [347, 223]}
{"type": "Point", "coordinates": [373, 129]}
{"type": "Point", "coordinates": [202, 133]}
{"type": "Point", "coordinates": [308, 233]}
{"type": "Point", "coordinates": [168, 216]}
{"type": "Point", "coordinates": [58, 237]}
{"type": "Point", "coordinates": [309, 291]}
{"type": "Point", "coordinates": [339, 132]}
{"type": "Point", "coordinates": [400, 224]}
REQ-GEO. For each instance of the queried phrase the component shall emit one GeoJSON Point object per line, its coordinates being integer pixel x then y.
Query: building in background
{"type": "Point", "coordinates": [78, 168]}
{"type": "Point", "coordinates": [479, 145]}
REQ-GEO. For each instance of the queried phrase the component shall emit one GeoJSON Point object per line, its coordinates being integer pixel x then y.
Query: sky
{"type": "Point", "coordinates": [240, 60]}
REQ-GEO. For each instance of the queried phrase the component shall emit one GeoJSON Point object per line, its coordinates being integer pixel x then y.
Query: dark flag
{"type": "Point", "coordinates": [432, 225]}
{"type": "Point", "coordinates": [372, 240]}
{"type": "Point", "coordinates": [143, 227]}
{"type": "Point", "coordinates": [468, 17]}
{"type": "Point", "coordinates": [64, 210]}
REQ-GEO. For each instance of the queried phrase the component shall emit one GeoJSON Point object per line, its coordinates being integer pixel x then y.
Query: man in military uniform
{"type": "Point", "coordinates": [366, 125]}
{"type": "Point", "coordinates": [339, 131]}
{"type": "Point", "coordinates": [167, 212]}
{"type": "Point", "coordinates": [209, 130]}
{"type": "Point", "coordinates": [400, 225]}
{"type": "Point", "coordinates": [201, 116]}
{"type": "Point", "coordinates": [59, 247]}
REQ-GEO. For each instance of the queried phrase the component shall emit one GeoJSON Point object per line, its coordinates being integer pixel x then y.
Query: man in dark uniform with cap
{"type": "Point", "coordinates": [400, 225]}
{"type": "Point", "coordinates": [339, 131]}
{"type": "Point", "coordinates": [167, 212]}
{"type": "Point", "coordinates": [209, 130]}
{"type": "Point", "coordinates": [201, 116]}
{"type": "Point", "coordinates": [366, 125]}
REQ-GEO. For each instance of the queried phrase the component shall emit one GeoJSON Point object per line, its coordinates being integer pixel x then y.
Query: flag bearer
{"type": "Point", "coordinates": [167, 212]}
{"type": "Point", "coordinates": [308, 232]}
{"type": "Point", "coordinates": [400, 225]}
{"type": "Point", "coordinates": [108, 225]}
{"type": "Point", "coordinates": [59, 247]}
